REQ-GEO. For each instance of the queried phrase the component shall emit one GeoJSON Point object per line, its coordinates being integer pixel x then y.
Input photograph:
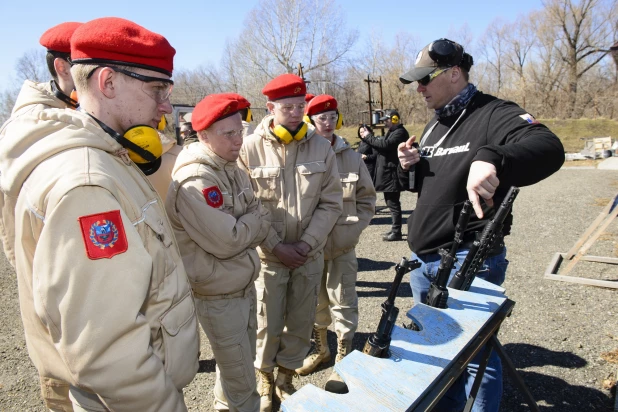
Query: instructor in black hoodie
{"type": "Point", "coordinates": [386, 178]}
{"type": "Point", "coordinates": [475, 147]}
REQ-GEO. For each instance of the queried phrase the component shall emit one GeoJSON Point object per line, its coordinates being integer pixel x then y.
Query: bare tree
{"type": "Point", "coordinates": [584, 30]}
{"type": "Point", "coordinates": [279, 34]}
{"type": "Point", "coordinates": [32, 66]}
{"type": "Point", "coordinates": [493, 47]}
{"type": "Point", "coordinates": [520, 40]}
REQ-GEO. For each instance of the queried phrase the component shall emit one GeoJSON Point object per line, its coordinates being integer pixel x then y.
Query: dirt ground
{"type": "Point", "coordinates": [562, 337]}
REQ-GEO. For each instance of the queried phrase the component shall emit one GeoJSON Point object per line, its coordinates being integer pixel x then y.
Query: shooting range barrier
{"type": "Point", "coordinates": [578, 251]}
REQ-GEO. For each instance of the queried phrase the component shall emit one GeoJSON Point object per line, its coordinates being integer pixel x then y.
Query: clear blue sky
{"type": "Point", "coordinates": [199, 29]}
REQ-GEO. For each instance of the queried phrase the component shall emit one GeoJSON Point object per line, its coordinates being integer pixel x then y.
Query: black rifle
{"type": "Point", "coordinates": [438, 293]}
{"type": "Point", "coordinates": [480, 248]}
{"type": "Point", "coordinates": [378, 344]}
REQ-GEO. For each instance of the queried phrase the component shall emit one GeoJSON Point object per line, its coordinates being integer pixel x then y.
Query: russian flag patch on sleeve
{"type": "Point", "coordinates": [104, 235]}
{"type": "Point", "coordinates": [529, 118]}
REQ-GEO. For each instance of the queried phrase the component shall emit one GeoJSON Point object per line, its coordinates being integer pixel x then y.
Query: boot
{"type": "Point", "coordinates": [265, 388]}
{"type": "Point", "coordinates": [335, 384]}
{"type": "Point", "coordinates": [283, 385]}
{"type": "Point", "coordinates": [392, 237]}
{"type": "Point", "coordinates": [319, 355]}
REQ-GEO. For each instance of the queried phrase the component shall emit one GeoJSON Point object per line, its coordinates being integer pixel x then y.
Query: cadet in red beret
{"type": "Point", "coordinates": [294, 173]}
{"type": "Point", "coordinates": [111, 312]}
{"type": "Point", "coordinates": [218, 222]}
{"type": "Point", "coordinates": [32, 99]}
{"type": "Point", "coordinates": [340, 264]}
{"type": "Point", "coordinates": [244, 107]}
{"type": "Point", "coordinates": [57, 41]}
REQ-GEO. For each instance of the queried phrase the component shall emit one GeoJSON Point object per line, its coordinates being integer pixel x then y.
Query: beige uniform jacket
{"type": "Point", "coordinates": [218, 221]}
{"type": "Point", "coordinates": [162, 178]}
{"type": "Point", "coordinates": [123, 325]}
{"type": "Point", "coordinates": [32, 98]}
{"type": "Point", "coordinates": [298, 183]}
{"type": "Point", "coordinates": [359, 201]}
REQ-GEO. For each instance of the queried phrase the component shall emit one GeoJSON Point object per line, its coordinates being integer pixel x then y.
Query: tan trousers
{"type": "Point", "coordinates": [338, 296]}
{"type": "Point", "coordinates": [230, 325]}
{"type": "Point", "coordinates": [287, 300]}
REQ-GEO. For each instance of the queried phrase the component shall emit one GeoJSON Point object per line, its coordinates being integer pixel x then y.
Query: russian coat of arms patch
{"type": "Point", "coordinates": [213, 196]}
{"type": "Point", "coordinates": [104, 235]}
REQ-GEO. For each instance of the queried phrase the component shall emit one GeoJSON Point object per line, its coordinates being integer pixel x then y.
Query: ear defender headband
{"type": "Point", "coordinates": [68, 100]}
{"type": "Point", "coordinates": [143, 144]}
{"type": "Point", "coordinates": [286, 136]}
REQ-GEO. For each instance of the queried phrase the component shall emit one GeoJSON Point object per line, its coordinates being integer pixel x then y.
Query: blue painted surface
{"type": "Point", "coordinates": [417, 358]}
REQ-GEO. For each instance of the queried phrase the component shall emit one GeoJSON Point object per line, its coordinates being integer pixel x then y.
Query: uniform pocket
{"type": "Point", "coordinates": [310, 178]}
{"type": "Point", "coordinates": [233, 371]}
{"type": "Point", "coordinates": [179, 331]}
{"type": "Point", "coordinates": [348, 184]}
{"type": "Point", "coordinates": [268, 182]}
{"type": "Point", "coordinates": [261, 307]}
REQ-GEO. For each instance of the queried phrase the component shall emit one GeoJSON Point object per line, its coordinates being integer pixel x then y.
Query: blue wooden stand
{"type": "Point", "coordinates": [423, 364]}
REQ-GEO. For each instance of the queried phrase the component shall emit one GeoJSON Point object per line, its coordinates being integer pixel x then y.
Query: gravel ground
{"type": "Point", "coordinates": [555, 336]}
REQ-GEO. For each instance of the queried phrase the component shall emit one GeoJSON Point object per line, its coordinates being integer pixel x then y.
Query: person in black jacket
{"type": "Point", "coordinates": [368, 155]}
{"type": "Point", "coordinates": [386, 178]}
{"type": "Point", "coordinates": [475, 147]}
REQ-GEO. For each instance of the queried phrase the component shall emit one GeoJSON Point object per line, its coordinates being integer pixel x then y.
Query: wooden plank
{"type": "Point", "coordinates": [584, 281]}
{"type": "Point", "coordinates": [600, 259]}
{"type": "Point", "coordinates": [606, 210]}
{"type": "Point", "coordinates": [588, 244]}
{"type": "Point", "coordinates": [417, 359]}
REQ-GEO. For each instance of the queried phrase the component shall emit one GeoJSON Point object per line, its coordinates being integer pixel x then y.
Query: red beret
{"type": "Point", "coordinates": [320, 104]}
{"type": "Point", "coordinates": [286, 85]}
{"type": "Point", "coordinates": [213, 108]}
{"type": "Point", "coordinates": [112, 40]}
{"type": "Point", "coordinates": [242, 102]}
{"type": "Point", "coordinates": [308, 97]}
{"type": "Point", "coordinates": [58, 38]}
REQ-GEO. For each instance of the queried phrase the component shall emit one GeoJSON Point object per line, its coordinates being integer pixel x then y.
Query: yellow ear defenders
{"type": "Point", "coordinates": [339, 120]}
{"type": "Point", "coordinates": [162, 123]}
{"type": "Point", "coordinates": [395, 119]}
{"type": "Point", "coordinates": [286, 136]}
{"type": "Point", "coordinates": [307, 119]}
{"type": "Point", "coordinates": [249, 117]}
{"type": "Point", "coordinates": [143, 144]}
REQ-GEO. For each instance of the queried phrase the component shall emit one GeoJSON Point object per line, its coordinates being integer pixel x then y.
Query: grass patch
{"type": "Point", "coordinates": [570, 131]}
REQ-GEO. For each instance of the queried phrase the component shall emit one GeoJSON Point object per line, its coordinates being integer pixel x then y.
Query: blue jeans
{"type": "Point", "coordinates": [490, 392]}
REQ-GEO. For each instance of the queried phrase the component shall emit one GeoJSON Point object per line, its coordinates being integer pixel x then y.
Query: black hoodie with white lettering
{"type": "Point", "coordinates": [491, 130]}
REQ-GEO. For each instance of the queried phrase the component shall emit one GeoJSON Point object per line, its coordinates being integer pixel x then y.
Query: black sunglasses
{"type": "Point", "coordinates": [427, 79]}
